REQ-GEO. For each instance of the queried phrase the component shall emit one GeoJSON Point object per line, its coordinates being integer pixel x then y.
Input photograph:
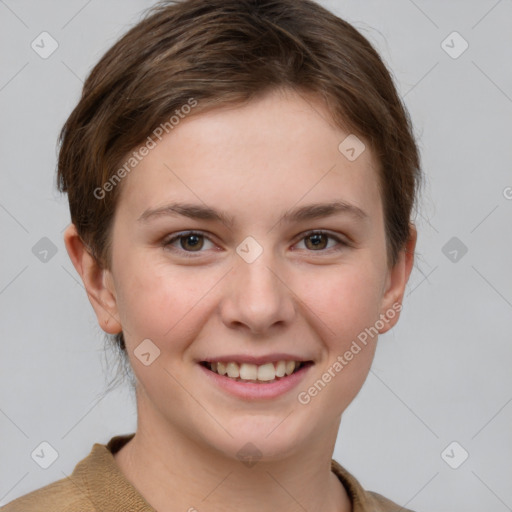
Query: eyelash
{"type": "Point", "coordinates": [191, 254]}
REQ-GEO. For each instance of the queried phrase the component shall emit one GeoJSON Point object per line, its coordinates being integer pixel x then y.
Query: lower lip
{"type": "Point", "coordinates": [254, 391]}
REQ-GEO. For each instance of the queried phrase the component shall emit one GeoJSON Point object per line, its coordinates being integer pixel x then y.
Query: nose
{"type": "Point", "coordinates": [257, 297]}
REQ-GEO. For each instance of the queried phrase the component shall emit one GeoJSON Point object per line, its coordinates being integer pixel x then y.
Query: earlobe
{"type": "Point", "coordinates": [397, 279]}
{"type": "Point", "coordinates": [94, 278]}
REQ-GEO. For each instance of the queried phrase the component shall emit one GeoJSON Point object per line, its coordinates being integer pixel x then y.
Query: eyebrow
{"type": "Point", "coordinates": [301, 213]}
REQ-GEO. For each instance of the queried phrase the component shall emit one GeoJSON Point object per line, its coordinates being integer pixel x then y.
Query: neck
{"type": "Point", "coordinates": [161, 458]}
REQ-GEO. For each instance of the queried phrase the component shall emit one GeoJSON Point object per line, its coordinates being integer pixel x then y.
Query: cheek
{"type": "Point", "coordinates": [346, 306]}
{"type": "Point", "coordinates": [345, 301]}
{"type": "Point", "coordinates": [161, 301]}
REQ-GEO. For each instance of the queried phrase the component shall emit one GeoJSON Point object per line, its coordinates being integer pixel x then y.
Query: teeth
{"type": "Point", "coordinates": [248, 371]}
{"type": "Point", "coordinates": [221, 368]}
{"type": "Point", "coordinates": [266, 372]}
{"type": "Point", "coordinates": [290, 366]}
{"type": "Point", "coordinates": [251, 372]}
{"type": "Point", "coordinates": [233, 370]}
{"type": "Point", "coordinates": [281, 369]}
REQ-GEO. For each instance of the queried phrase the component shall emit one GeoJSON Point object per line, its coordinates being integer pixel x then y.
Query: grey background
{"type": "Point", "coordinates": [442, 375]}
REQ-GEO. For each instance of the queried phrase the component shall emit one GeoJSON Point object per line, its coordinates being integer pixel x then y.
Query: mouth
{"type": "Point", "coordinates": [266, 373]}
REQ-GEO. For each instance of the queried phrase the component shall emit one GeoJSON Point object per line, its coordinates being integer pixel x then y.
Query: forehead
{"type": "Point", "coordinates": [279, 150]}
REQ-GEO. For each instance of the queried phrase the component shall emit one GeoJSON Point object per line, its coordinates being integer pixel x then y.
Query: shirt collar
{"type": "Point", "coordinates": [113, 492]}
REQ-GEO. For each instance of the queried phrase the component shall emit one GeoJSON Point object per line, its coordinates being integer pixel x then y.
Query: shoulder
{"type": "Point", "coordinates": [59, 496]}
{"type": "Point", "coordinates": [383, 504]}
{"type": "Point", "coordinates": [95, 484]}
{"type": "Point", "coordinates": [363, 500]}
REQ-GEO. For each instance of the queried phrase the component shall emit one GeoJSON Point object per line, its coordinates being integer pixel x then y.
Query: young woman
{"type": "Point", "coordinates": [241, 177]}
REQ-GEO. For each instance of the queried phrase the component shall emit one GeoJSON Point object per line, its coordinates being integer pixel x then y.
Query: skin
{"type": "Point", "coordinates": [254, 162]}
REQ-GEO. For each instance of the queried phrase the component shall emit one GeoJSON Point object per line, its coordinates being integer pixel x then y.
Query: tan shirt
{"type": "Point", "coordinates": [97, 485]}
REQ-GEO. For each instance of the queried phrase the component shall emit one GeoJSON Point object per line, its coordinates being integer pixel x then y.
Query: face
{"type": "Point", "coordinates": [264, 276]}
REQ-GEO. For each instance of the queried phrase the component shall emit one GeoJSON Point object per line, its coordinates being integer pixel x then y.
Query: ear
{"type": "Point", "coordinates": [97, 281]}
{"type": "Point", "coordinates": [396, 281]}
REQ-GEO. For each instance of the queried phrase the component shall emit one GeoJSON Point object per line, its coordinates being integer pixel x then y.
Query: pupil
{"type": "Point", "coordinates": [195, 243]}
{"type": "Point", "coordinates": [316, 239]}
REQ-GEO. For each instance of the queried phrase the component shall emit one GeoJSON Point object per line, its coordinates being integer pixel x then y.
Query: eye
{"type": "Point", "coordinates": [189, 242]}
{"type": "Point", "coordinates": [316, 241]}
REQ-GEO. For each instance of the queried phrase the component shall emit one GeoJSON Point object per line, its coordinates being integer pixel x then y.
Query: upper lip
{"type": "Point", "coordinates": [244, 358]}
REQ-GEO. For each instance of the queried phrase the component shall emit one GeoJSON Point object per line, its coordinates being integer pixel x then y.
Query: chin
{"type": "Point", "coordinates": [266, 437]}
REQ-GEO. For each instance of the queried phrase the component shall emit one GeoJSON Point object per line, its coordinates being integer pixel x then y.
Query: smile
{"type": "Point", "coordinates": [247, 372]}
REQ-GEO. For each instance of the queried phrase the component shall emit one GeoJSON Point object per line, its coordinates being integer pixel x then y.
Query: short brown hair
{"type": "Point", "coordinates": [223, 52]}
